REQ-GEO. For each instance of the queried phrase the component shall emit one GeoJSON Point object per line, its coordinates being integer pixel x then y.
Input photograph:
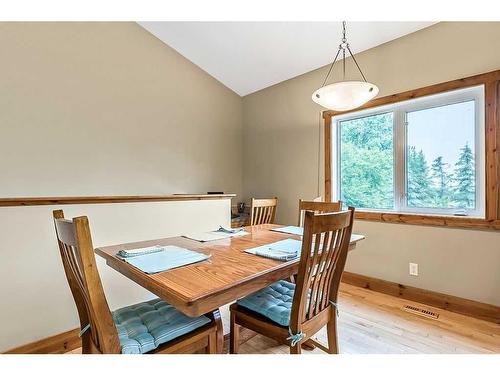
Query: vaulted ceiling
{"type": "Point", "coordinates": [250, 56]}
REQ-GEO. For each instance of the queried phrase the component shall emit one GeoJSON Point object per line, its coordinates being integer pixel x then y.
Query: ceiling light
{"type": "Point", "coordinates": [344, 95]}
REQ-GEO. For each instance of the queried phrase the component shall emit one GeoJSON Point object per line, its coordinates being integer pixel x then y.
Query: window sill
{"type": "Point", "coordinates": [427, 219]}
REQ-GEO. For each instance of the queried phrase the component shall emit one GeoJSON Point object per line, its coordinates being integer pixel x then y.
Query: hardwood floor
{"type": "Point", "coordinates": [374, 323]}
{"type": "Point", "coordinates": [371, 322]}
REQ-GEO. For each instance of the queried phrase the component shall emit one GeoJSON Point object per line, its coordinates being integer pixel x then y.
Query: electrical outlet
{"type": "Point", "coordinates": [414, 269]}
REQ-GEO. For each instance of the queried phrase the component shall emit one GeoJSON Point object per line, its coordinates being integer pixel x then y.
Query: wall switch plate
{"type": "Point", "coordinates": [414, 269]}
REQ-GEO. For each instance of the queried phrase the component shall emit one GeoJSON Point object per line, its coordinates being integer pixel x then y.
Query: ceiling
{"type": "Point", "coordinates": [250, 56]}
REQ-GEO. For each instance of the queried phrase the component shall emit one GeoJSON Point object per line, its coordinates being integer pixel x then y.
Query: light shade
{"type": "Point", "coordinates": [345, 95]}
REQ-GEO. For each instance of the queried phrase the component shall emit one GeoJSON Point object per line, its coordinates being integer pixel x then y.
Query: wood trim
{"type": "Point", "coordinates": [432, 220]}
{"type": "Point", "coordinates": [491, 146]}
{"type": "Point", "coordinates": [480, 79]}
{"type": "Point", "coordinates": [61, 343]}
{"type": "Point", "coordinates": [328, 159]}
{"type": "Point", "coordinates": [54, 201]}
{"type": "Point", "coordinates": [491, 221]}
{"type": "Point", "coordinates": [447, 302]}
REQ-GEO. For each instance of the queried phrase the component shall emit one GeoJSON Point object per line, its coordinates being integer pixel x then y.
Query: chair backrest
{"type": "Point", "coordinates": [318, 207]}
{"type": "Point", "coordinates": [324, 252]}
{"type": "Point", "coordinates": [77, 253]}
{"type": "Point", "coordinates": [263, 211]}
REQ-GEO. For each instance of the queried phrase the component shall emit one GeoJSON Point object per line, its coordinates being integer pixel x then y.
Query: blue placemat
{"type": "Point", "coordinates": [213, 236]}
{"type": "Point", "coordinates": [299, 231]}
{"type": "Point", "coordinates": [284, 250]}
{"type": "Point", "coordinates": [170, 257]}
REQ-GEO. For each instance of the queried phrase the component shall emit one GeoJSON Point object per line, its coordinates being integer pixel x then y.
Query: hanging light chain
{"type": "Point", "coordinates": [331, 67]}
{"type": "Point", "coordinates": [354, 59]}
{"type": "Point", "coordinates": [342, 48]}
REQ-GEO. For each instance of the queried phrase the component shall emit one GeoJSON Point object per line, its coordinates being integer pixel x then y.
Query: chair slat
{"type": "Point", "coordinates": [273, 215]}
{"type": "Point", "coordinates": [263, 215]}
{"type": "Point", "coordinates": [332, 251]}
{"type": "Point", "coordinates": [320, 296]}
{"type": "Point", "coordinates": [313, 275]}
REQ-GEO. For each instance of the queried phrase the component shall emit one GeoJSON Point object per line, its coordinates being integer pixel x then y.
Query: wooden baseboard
{"type": "Point", "coordinates": [61, 343]}
{"type": "Point", "coordinates": [454, 304]}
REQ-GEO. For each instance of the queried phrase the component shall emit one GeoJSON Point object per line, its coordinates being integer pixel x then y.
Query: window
{"type": "Point", "coordinates": [366, 161]}
{"type": "Point", "coordinates": [440, 162]}
{"type": "Point", "coordinates": [423, 155]}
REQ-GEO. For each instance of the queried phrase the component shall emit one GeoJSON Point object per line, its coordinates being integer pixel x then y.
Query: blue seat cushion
{"type": "Point", "coordinates": [144, 326]}
{"type": "Point", "coordinates": [274, 302]}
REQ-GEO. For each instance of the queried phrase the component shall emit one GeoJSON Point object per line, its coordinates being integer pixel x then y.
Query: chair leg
{"type": "Point", "coordinates": [234, 335]}
{"type": "Point", "coordinates": [331, 329]}
{"type": "Point", "coordinates": [216, 318]}
{"type": "Point", "coordinates": [297, 349]}
{"type": "Point", "coordinates": [212, 343]}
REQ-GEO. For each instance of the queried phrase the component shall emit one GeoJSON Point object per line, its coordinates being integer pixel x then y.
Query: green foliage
{"type": "Point", "coordinates": [441, 181]}
{"type": "Point", "coordinates": [464, 178]}
{"type": "Point", "coordinates": [367, 162]}
{"type": "Point", "coordinates": [419, 183]}
{"type": "Point", "coordinates": [367, 170]}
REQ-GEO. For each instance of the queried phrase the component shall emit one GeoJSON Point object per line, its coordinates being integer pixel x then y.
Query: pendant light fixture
{"type": "Point", "coordinates": [344, 95]}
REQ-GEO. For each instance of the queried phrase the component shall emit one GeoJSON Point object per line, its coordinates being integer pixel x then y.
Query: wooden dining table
{"type": "Point", "coordinates": [230, 273]}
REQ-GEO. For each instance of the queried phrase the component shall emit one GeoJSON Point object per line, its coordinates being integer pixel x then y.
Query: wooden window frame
{"type": "Point", "coordinates": [491, 221]}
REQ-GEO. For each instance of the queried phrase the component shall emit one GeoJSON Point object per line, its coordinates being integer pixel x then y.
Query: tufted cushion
{"type": "Point", "coordinates": [144, 326]}
{"type": "Point", "coordinates": [274, 302]}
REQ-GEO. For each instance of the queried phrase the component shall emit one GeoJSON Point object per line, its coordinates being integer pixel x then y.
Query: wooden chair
{"type": "Point", "coordinates": [323, 257]}
{"type": "Point", "coordinates": [263, 211]}
{"type": "Point", "coordinates": [99, 332]}
{"type": "Point", "coordinates": [318, 207]}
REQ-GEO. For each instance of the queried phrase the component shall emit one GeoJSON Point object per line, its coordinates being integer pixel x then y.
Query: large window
{"type": "Point", "coordinates": [423, 155]}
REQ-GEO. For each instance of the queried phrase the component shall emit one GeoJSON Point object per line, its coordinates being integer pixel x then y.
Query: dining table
{"type": "Point", "coordinates": [228, 274]}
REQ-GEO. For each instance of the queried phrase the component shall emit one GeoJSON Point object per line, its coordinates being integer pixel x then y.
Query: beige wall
{"type": "Point", "coordinates": [107, 108]}
{"type": "Point", "coordinates": [281, 140]}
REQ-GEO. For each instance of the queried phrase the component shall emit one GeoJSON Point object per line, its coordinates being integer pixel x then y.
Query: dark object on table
{"type": "Point", "coordinates": [241, 207]}
{"type": "Point", "coordinates": [239, 220]}
{"type": "Point", "coordinates": [214, 192]}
